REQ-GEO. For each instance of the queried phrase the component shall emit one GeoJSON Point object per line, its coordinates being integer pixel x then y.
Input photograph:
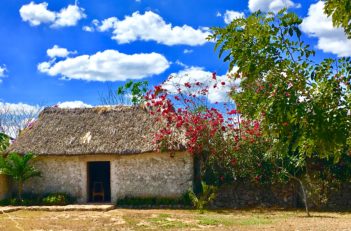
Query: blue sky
{"type": "Point", "coordinates": [58, 51]}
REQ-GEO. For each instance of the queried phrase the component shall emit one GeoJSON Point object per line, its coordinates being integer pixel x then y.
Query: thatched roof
{"type": "Point", "coordinates": [99, 130]}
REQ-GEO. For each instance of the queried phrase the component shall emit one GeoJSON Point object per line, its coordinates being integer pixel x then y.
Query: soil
{"type": "Point", "coordinates": [164, 219]}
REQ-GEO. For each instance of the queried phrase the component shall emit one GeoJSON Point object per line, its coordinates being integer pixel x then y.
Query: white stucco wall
{"type": "Point", "coordinates": [142, 175]}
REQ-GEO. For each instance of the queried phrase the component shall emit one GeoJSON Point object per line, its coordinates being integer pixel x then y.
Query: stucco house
{"type": "Point", "coordinates": [79, 150]}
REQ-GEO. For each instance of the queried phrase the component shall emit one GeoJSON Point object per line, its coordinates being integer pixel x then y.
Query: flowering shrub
{"type": "Point", "coordinates": [303, 103]}
{"type": "Point", "coordinates": [228, 146]}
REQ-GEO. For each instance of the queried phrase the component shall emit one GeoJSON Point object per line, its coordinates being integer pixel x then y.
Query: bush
{"type": "Point", "coordinates": [208, 194]}
{"type": "Point", "coordinates": [35, 199]}
{"type": "Point", "coordinates": [58, 199]}
{"type": "Point", "coordinates": [154, 201]}
{"type": "Point", "coordinates": [246, 162]}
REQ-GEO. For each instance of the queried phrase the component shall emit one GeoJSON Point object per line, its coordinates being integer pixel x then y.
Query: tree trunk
{"type": "Point", "coordinates": [197, 186]}
{"type": "Point", "coordinates": [304, 194]}
{"type": "Point", "coordinates": [304, 197]}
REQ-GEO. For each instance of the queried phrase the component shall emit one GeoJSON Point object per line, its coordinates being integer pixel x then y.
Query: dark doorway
{"type": "Point", "coordinates": [99, 187]}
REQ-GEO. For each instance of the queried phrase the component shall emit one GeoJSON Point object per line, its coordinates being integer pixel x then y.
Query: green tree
{"type": "Point", "coordinates": [131, 93]}
{"type": "Point", "coordinates": [303, 106]}
{"type": "Point", "coordinates": [18, 167]}
{"type": "Point", "coordinates": [134, 90]}
{"type": "Point", "coordinates": [340, 11]}
{"type": "Point", "coordinates": [4, 142]}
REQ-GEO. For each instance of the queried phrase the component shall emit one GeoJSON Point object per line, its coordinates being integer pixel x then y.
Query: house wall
{"type": "Point", "coordinates": [142, 175]}
{"type": "Point", "coordinates": [4, 187]}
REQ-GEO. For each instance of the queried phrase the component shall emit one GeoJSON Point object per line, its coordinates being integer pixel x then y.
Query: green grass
{"type": "Point", "coordinates": [213, 220]}
{"type": "Point", "coordinates": [256, 221]}
{"type": "Point", "coordinates": [161, 221]}
{"type": "Point", "coordinates": [165, 221]}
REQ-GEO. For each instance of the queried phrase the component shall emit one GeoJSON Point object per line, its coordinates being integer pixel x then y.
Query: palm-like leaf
{"type": "Point", "coordinates": [18, 168]}
{"type": "Point", "coordinates": [209, 193]}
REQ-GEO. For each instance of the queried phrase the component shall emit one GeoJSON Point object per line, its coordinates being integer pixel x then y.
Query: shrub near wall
{"type": "Point", "coordinates": [154, 202]}
{"type": "Point", "coordinates": [29, 199]}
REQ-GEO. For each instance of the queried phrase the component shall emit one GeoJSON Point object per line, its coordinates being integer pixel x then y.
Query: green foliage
{"type": "Point", "coordinates": [137, 91]}
{"type": "Point", "coordinates": [58, 199]}
{"type": "Point", "coordinates": [340, 11]}
{"type": "Point", "coordinates": [259, 41]}
{"type": "Point", "coordinates": [18, 167]}
{"type": "Point", "coordinates": [29, 199]}
{"type": "Point", "coordinates": [154, 201]}
{"type": "Point", "coordinates": [246, 162]}
{"type": "Point", "coordinates": [208, 194]}
{"type": "Point", "coordinates": [303, 106]}
{"type": "Point", "coordinates": [4, 142]}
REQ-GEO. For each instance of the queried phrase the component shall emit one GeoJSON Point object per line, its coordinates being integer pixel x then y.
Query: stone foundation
{"type": "Point", "coordinates": [242, 195]}
{"type": "Point", "coordinates": [340, 199]}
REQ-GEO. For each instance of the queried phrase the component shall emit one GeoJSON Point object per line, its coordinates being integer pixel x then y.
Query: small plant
{"type": "Point", "coordinates": [209, 193]}
{"type": "Point", "coordinates": [58, 199]}
{"type": "Point", "coordinates": [18, 167]}
{"type": "Point", "coordinates": [29, 199]}
{"type": "Point", "coordinates": [153, 201]}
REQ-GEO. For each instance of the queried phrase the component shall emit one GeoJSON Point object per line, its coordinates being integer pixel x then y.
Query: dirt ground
{"type": "Point", "coordinates": [128, 219]}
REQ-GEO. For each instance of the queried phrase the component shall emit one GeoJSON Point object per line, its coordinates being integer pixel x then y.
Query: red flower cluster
{"type": "Point", "coordinates": [187, 120]}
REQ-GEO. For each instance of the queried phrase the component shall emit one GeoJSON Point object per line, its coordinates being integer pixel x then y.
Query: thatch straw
{"type": "Point", "coordinates": [84, 131]}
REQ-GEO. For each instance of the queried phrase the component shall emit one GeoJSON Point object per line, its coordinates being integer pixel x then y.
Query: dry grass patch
{"type": "Point", "coordinates": [128, 219]}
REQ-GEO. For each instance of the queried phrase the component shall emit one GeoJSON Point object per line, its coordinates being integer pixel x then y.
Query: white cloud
{"type": "Point", "coordinates": [188, 51]}
{"type": "Point", "coordinates": [88, 28]}
{"type": "Point", "coordinates": [57, 51]}
{"type": "Point", "coordinates": [37, 14]}
{"type": "Point", "coordinates": [106, 24]}
{"type": "Point", "coordinates": [3, 70]}
{"type": "Point", "coordinates": [108, 65]}
{"type": "Point", "coordinates": [271, 5]}
{"type": "Point", "coordinates": [220, 93]}
{"type": "Point", "coordinates": [230, 15]}
{"type": "Point", "coordinates": [69, 16]}
{"type": "Point", "coordinates": [73, 104]}
{"type": "Point", "coordinates": [151, 27]}
{"type": "Point", "coordinates": [180, 63]}
{"type": "Point", "coordinates": [330, 39]}
{"type": "Point", "coordinates": [91, 28]}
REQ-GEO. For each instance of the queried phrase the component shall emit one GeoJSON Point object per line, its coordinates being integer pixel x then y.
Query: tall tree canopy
{"type": "Point", "coordinates": [303, 106]}
{"type": "Point", "coordinates": [340, 11]}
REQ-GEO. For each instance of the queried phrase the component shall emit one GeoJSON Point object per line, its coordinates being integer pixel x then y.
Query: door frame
{"type": "Point", "coordinates": [89, 187]}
